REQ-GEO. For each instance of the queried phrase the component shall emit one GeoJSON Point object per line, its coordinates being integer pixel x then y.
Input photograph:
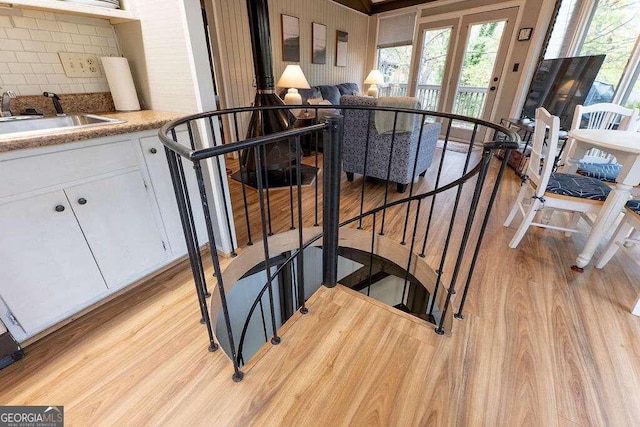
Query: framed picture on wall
{"type": "Point", "coordinates": [290, 38]}
{"type": "Point", "coordinates": [342, 37]}
{"type": "Point", "coordinates": [319, 38]}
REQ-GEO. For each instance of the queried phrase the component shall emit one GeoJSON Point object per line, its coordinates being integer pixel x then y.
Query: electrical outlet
{"type": "Point", "coordinates": [80, 64]}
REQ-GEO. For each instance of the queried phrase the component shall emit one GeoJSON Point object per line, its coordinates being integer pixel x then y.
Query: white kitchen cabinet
{"type": "Point", "coordinates": [124, 14]}
{"type": "Point", "coordinates": [158, 168]}
{"type": "Point", "coordinates": [118, 223]}
{"type": "Point", "coordinates": [47, 269]}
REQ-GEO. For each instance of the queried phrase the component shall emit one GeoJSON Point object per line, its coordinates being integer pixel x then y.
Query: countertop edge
{"type": "Point", "coordinates": [134, 122]}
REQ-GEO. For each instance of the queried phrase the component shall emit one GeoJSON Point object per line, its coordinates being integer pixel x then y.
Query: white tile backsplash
{"type": "Point", "coordinates": [29, 44]}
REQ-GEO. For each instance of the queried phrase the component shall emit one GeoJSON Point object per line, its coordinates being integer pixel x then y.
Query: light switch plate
{"type": "Point", "coordinates": [80, 64]}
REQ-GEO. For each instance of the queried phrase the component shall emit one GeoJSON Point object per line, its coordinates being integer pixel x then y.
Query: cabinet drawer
{"type": "Point", "coordinates": [33, 172]}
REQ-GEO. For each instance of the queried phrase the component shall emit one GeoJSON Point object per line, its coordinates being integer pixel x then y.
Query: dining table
{"type": "Point", "coordinates": [625, 146]}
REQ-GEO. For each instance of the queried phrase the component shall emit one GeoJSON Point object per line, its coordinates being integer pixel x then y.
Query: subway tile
{"type": "Point", "coordinates": [33, 46]}
{"type": "Point", "coordinates": [65, 88]}
{"type": "Point", "coordinates": [54, 47]}
{"type": "Point", "coordinates": [50, 16]}
{"type": "Point", "coordinates": [93, 87]}
{"type": "Point", "coordinates": [99, 41]}
{"type": "Point", "coordinates": [110, 51]}
{"type": "Point", "coordinates": [96, 50]}
{"type": "Point", "coordinates": [104, 31]}
{"type": "Point", "coordinates": [58, 78]}
{"type": "Point", "coordinates": [40, 35]}
{"type": "Point", "coordinates": [58, 69]}
{"type": "Point", "coordinates": [76, 88]}
{"type": "Point", "coordinates": [61, 37]}
{"type": "Point", "coordinates": [88, 30]}
{"type": "Point", "coordinates": [32, 13]}
{"type": "Point", "coordinates": [23, 22]}
{"type": "Point", "coordinates": [49, 58]}
{"type": "Point", "coordinates": [20, 68]}
{"type": "Point", "coordinates": [15, 45]}
{"type": "Point", "coordinates": [112, 42]}
{"type": "Point", "coordinates": [18, 33]}
{"type": "Point", "coordinates": [80, 39]}
{"type": "Point", "coordinates": [76, 19]}
{"type": "Point", "coordinates": [76, 48]}
{"type": "Point", "coordinates": [50, 88]}
{"type": "Point", "coordinates": [36, 79]}
{"type": "Point", "coordinates": [13, 79]}
{"type": "Point", "coordinates": [6, 57]}
{"type": "Point", "coordinates": [29, 57]}
{"type": "Point", "coordinates": [4, 68]}
{"type": "Point", "coordinates": [68, 27]}
{"type": "Point", "coordinates": [42, 68]}
{"type": "Point", "coordinates": [26, 90]}
{"type": "Point", "coordinates": [5, 22]}
{"type": "Point", "coordinates": [45, 24]}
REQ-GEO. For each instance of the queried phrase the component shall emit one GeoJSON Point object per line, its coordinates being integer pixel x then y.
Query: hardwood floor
{"type": "Point", "coordinates": [539, 345]}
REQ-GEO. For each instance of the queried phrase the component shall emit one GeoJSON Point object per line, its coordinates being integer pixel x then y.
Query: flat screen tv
{"type": "Point", "coordinates": [561, 84]}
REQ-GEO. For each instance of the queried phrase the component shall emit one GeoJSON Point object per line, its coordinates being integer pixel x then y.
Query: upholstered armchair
{"type": "Point", "coordinates": [360, 124]}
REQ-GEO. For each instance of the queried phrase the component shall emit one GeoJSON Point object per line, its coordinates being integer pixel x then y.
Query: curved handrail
{"type": "Point", "coordinates": [218, 150]}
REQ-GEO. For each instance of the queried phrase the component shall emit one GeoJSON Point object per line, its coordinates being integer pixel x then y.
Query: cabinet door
{"type": "Point", "coordinates": [158, 168]}
{"type": "Point", "coordinates": [117, 220]}
{"type": "Point", "coordinates": [48, 271]}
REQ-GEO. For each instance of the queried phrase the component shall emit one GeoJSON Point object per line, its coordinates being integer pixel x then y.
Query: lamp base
{"type": "Point", "coordinates": [373, 91]}
{"type": "Point", "coordinates": [293, 97]}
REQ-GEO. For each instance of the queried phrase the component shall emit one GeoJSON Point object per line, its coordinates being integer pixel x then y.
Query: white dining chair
{"type": "Point", "coordinates": [596, 163]}
{"type": "Point", "coordinates": [545, 190]}
{"type": "Point", "coordinates": [626, 236]}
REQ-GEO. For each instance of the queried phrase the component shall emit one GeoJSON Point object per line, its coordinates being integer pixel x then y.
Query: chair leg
{"type": "Point", "coordinates": [635, 235]}
{"type": "Point", "coordinates": [516, 204]}
{"type": "Point", "coordinates": [401, 188]}
{"type": "Point", "coordinates": [618, 238]}
{"type": "Point", "coordinates": [526, 222]}
{"type": "Point", "coordinates": [349, 176]}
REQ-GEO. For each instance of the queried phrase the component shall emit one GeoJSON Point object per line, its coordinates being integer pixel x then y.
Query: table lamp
{"type": "Point", "coordinates": [374, 79]}
{"type": "Point", "coordinates": [294, 79]}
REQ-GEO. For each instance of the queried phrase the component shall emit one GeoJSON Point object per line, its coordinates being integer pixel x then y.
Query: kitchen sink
{"type": "Point", "coordinates": [33, 126]}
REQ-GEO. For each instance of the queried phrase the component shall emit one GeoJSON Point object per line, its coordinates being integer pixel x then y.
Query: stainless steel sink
{"type": "Point", "coordinates": [33, 126]}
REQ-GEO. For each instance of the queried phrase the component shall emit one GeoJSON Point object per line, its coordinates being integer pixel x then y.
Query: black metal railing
{"type": "Point", "coordinates": [434, 232]}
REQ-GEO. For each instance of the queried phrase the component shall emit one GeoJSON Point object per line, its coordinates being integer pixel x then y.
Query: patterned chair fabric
{"type": "Point", "coordinates": [577, 186]}
{"type": "Point", "coordinates": [360, 124]}
{"type": "Point", "coordinates": [604, 171]}
{"type": "Point", "coordinates": [634, 205]}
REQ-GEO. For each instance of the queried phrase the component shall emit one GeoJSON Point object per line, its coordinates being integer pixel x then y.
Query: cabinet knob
{"type": "Point", "coordinates": [60, 208]}
{"type": "Point", "coordinates": [82, 201]}
{"type": "Point", "coordinates": [153, 151]}
{"type": "Point", "coordinates": [492, 88]}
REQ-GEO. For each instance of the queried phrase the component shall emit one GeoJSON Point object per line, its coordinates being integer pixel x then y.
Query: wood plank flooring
{"type": "Point", "coordinates": [539, 345]}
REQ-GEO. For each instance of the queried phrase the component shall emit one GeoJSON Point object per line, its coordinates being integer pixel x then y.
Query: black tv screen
{"type": "Point", "coordinates": [561, 84]}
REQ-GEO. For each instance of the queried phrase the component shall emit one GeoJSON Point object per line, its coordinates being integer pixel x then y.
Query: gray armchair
{"type": "Point", "coordinates": [405, 145]}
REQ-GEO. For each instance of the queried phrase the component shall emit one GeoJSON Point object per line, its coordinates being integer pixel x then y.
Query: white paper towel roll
{"type": "Point", "coordinates": [123, 91]}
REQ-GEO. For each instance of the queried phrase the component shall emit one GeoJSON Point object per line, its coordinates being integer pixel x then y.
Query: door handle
{"type": "Point", "coordinates": [82, 201]}
{"type": "Point", "coordinates": [60, 208]}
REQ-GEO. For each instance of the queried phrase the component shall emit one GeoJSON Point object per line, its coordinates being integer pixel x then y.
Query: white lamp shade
{"type": "Point", "coordinates": [374, 78]}
{"type": "Point", "coordinates": [293, 77]}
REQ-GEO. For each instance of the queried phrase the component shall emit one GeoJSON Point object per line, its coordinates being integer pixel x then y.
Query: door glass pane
{"type": "Point", "coordinates": [435, 47]}
{"type": "Point", "coordinates": [477, 68]}
{"type": "Point", "coordinates": [633, 100]}
{"type": "Point", "coordinates": [394, 63]}
{"type": "Point", "coordinates": [612, 31]}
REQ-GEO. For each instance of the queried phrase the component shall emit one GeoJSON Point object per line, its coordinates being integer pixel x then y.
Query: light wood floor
{"type": "Point", "coordinates": [540, 345]}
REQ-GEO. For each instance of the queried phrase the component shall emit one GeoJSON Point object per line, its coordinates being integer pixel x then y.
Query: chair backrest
{"type": "Point", "coordinates": [601, 116]}
{"type": "Point", "coordinates": [543, 151]}
{"type": "Point", "coordinates": [604, 116]}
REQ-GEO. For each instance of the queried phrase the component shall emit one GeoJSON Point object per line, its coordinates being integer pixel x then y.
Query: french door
{"type": "Point", "coordinates": [459, 64]}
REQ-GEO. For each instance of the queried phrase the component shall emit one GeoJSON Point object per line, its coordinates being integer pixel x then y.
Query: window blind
{"type": "Point", "coordinates": [396, 30]}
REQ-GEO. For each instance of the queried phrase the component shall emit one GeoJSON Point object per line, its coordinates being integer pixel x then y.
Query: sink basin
{"type": "Point", "coordinates": [31, 126]}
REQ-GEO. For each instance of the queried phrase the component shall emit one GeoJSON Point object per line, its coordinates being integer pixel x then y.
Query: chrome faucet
{"type": "Point", "coordinates": [56, 102]}
{"type": "Point", "coordinates": [6, 99]}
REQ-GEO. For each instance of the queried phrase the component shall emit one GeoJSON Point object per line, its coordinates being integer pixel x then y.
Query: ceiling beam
{"type": "Point", "coordinates": [363, 6]}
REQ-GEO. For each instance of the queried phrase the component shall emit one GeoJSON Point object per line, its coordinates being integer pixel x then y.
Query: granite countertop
{"type": "Point", "coordinates": [134, 122]}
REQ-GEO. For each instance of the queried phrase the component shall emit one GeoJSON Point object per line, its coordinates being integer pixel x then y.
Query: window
{"type": "Point", "coordinates": [395, 47]}
{"type": "Point", "coordinates": [593, 27]}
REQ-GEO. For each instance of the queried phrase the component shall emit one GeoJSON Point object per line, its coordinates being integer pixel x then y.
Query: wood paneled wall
{"type": "Point", "coordinates": [234, 64]}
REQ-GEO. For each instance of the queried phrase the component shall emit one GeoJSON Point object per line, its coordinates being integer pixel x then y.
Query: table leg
{"type": "Point", "coordinates": [605, 219]}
